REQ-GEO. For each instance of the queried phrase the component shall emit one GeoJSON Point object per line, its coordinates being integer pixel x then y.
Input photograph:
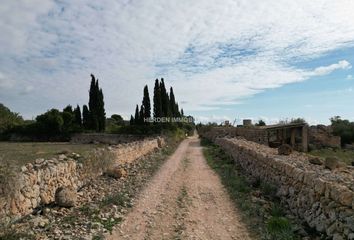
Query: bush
{"type": "Point", "coordinates": [8, 119]}
{"type": "Point", "coordinates": [344, 129]}
{"type": "Point", "coordinates": [279, 228]}
{"type": "Point", "coordinates": [50, 123]}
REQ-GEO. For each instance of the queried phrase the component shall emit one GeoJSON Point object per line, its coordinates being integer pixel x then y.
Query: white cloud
{"type": "Point", "coordinates": [328, 69]}
{"type": "Point", "coordinates": [5, 83]}
{"type": "Point", "coordinates": [198, 46]}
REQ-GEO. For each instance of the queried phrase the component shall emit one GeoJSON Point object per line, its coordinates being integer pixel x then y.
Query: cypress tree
{"type": "Point", "coordinates": [146, 103]}
{"type": "Point", "coordinates": [178, 114]}
{"type": "Point", "coordinates": [86, 117]}
{"type": "Point", "coordinates": [136, 116]}
{"type": "Point", "coordinates": [157, 100]}
{"type": "Point", "coordinates": [164, 99]}
{"type": "Point", "coordinates": [93, 104]}
{"type": "Point", "coordinates": [182, 113]}
{"type": "Point", "coordinates": [172, 103]}
{"type": "Point", "coordinates": [131, 122]}
{"type": "Point", "coordinates": [101, 111]}
{"type": "Point", "coordinates": [77, 113]}
{"type": "Point", "coordinates": [141, 115]}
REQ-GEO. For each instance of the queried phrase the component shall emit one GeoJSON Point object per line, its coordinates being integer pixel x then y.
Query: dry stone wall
{"type": "Point", "coordinates": [251, 134]}
{"type": "Point", "coordinates": [322, 198]}
{"type": "Point", "coordinates": [37, 183]}
{"type": "Point", "coordinates": [104, 138]}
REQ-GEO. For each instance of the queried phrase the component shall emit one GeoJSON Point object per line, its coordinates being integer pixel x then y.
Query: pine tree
{"type": "Point", "coordinates": [157, 100]}
{"type": "Point", "coordinates": [136, 116]}
{"type": "Point", "coordinates": [86, 117]}
{"type": "Point", "coordinates": [77, 113]}
{"type": "Point", "coordinates": [146, 103]}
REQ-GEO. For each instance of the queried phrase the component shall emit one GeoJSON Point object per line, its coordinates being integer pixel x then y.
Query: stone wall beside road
{"type": "Point", "coordinates": [322, 198]}
{"type": "Point", "coordinates": [37, 182]}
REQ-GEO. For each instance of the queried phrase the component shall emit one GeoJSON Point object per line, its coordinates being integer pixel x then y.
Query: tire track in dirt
{"type": "Point", "coordinates": [184, 200]}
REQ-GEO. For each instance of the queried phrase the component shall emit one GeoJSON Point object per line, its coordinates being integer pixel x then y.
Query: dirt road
{"type": "Point", "coordinates": [184, 200]}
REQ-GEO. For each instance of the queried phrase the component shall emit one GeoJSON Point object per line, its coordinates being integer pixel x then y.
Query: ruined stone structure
{"type": "Point", "coordinates": [297, 135]}
{"type": "Point", "coordinates": [37, 183]}
{"type": "Point", "coordinates": [322, 198]}
{"type": "Point", "coordinates": [294, 134]}
{"type": "Point", "coordinates": [321, 136]}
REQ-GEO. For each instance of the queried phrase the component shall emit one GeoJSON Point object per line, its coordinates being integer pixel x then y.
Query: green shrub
{"type": "Point", "coordinates": [279, 228]}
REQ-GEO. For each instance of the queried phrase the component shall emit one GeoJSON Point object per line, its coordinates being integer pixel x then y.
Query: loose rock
{"type": "Point", "coordinates": [331, 162]}
{"type": "Point", "coordinates": [285, 149]}
{"type": "Point", "coordinates": [65, 197]}
{"type": "Point", "coordinates": [316, 161]}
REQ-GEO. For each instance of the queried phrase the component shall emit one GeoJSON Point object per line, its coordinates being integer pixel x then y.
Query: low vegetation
{"type": "Point", "coordinates": [344, 155]}
{"type": "Point", "coordinates": [344, 129]}
{"type": "Point", "coordinates": [256, 199]}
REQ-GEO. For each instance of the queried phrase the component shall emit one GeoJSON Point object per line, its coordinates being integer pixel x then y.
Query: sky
{"type": "Point", "coordinates": [226, 60]}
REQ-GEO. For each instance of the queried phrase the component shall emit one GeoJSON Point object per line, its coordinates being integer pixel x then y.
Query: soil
{"type": "Point", "coordinates": [184, 200]}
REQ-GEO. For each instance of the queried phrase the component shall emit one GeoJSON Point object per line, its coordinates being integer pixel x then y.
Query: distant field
{"type": "Point", "coordinates": [21, 153]}
{"type": "Point", "coordinates": [346, 156]}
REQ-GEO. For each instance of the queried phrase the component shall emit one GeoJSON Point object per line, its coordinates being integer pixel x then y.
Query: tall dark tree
{"type": "Point", "coordinates": [178, 114]}
{"type": "Point", "coordinates": [172, 102]}
{"type": "Point", "coordinates": [68, 118]}
{"type": "Point", "coordinates": [86, 119]}
{"type": "Point", "coordinates": [68, 109]}
{"type": "Point", "coordinates": [101, 111]}
{"type": "Point", "coordinates": [97, 120]}
{"type": "Point", "coordinates": [157, 100]}
{"type": "Point", "coordinates": [164, 100]}
{"type": "Point", "coordinates": [146, 103]}
{"type": "Point", "coordinates": [77, 115]}
{"type": "Point", "coordinates": [182, 113]}
{"type": "Point", "coordinates": [141, 115]}
{"type": "Point", "coordinates": [131, 122]}
{"type": "Point", "coordinates": [136, 116]}
{"type": "Point", "coordinates": [93, 104]}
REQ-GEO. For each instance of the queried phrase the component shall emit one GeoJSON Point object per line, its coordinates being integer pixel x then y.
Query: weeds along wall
{"type": "Point", "coordinates": [322, 198]}
{"type": "Point", "coordinates": [35, 185]}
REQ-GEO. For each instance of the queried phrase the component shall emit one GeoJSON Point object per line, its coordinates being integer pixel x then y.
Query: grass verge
{"type": "Point", "coordinates": [256, 200]}
{"type": "Point", "coordinates": [346, 156]}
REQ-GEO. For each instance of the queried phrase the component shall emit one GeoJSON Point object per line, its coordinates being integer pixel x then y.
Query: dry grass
{"type": "Point", "coordinates": [346, 156]}
{"type": "Point", "coordinates": [18, 154]}
{"type": "Point", "coordinates": [97, 161]}
{"type": "Point", "coordinates": [13, 155]}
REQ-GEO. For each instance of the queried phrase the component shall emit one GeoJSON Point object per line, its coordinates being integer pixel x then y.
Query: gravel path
{"type": "Point", "coordinates": [184, 200]}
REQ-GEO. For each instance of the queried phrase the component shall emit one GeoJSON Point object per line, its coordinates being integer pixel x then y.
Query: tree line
{"type": "Point", "coordinates": [59, 125]}
{"type": "Point", "coordinates": [56, 123]}
{"type": "Point", "coordinates": [164, 105]}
